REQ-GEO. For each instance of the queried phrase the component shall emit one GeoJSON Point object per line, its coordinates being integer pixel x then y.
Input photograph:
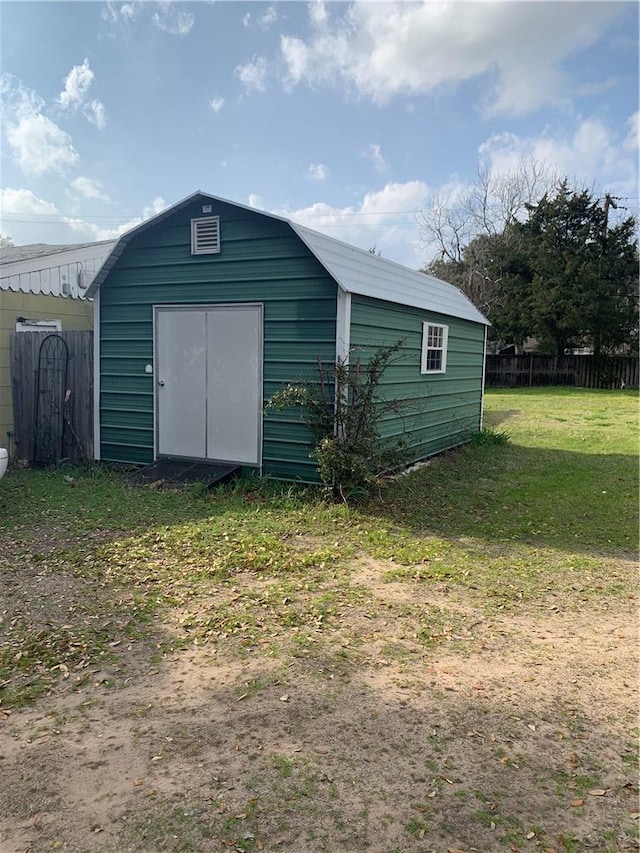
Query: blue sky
{"type": "Point", "coordinates": [347, 117]}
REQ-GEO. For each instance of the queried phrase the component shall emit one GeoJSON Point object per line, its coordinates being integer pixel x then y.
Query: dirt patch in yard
{"type": "Point", "coordinates": [417, 722]}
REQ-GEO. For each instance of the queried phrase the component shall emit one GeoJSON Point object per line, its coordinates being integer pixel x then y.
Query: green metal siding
{"type": "Point", "coordinates": [261, 260]}
{"type": "Point", "coordinates": [448, 405]}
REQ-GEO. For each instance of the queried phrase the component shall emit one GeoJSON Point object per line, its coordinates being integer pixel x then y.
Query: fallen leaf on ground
{"type": "Point", "coordinates": [597, 792]}
{"type": "Point", "coordinates": [576, 803]}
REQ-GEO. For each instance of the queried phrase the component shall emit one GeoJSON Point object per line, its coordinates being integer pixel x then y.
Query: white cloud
{"type": "Point", "coordinates": [25, 202]}
{"type": "Point", "coordinates": [129, 11]}
{"type": "Point", "coordinates": [75, 95]}
{"type": "Point", "coordinates": [17, 99]}
{"type": "Point", "coordinates": [96, 113]}
{"type": "Point", "coordinates": [318, 171]}
{"type": "Point", "coordinates": [384, 218]}
{"type": "Point", "coordinates": [381, 50]}
{"type": "Point", "coordinates": [125, 13]}
{"type": "Point", "coordinates": [374, 153]}
{"type": "Point", "coordinates": [593, 155]}
{"type": "Point", "coordinates": [267, 18]}
{"type": "Point", "coordinates": [76, 86]}
{"type": "Point", "coordinates": [318, 13]}
{"type": "Point", "coordinates": [632, 142]}
{"type": "Point", "coordinates": [37, 144]}
{"type": "Point", "coordinates": [216, 104]}
{"type": "Point", "coordinates": [264, 21]}
{"type": "Point", "coordinates": [165, 14]}
{"type": "Point", "coordinates": [255, 201]}
{"type": "Point", "coordinates": [296, 56]}
{"type": "Point", "coordinates": [253, 74]}
{"type": "Point", "coordinates": [172, 20]}
{"type": "Point", "coordinates": [387, 218]}
{"type": "Point", "coordinates": [29, 219]}
{"type": "Point", "coordinates": [40, 146]}
{"type": "Point", "coordinates": [157, 206]}
{"type": "Point", "coordinates": [89, 188]}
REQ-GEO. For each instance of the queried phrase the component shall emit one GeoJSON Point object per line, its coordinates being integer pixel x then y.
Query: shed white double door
{"type": "Point", "coordinates": [209, 382]}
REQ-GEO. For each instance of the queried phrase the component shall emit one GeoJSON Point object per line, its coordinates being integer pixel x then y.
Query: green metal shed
{"type": "Point", "coordinates": [204, 311]}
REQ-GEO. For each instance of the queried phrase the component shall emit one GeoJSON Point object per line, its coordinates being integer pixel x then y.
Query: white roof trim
{"type": "Point", "coordinates": [64, 272]}
{"type": "Point", "coordinates": [354, 270]}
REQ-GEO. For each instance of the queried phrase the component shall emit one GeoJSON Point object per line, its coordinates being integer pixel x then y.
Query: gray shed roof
{"type": "Point", "coordinates": [366, 274]}
{"type": "Point", "coordinates": [11, 254]}
{"type": "Point", "coordinates": [355, 270]}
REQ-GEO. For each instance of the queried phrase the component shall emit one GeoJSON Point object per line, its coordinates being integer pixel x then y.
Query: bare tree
{"type": "Point", "coordinates": [446, 224]}
{"type": "Point", "coordinates": [467, 229]}
{"type": "Point", "coordinates": [451, 220]}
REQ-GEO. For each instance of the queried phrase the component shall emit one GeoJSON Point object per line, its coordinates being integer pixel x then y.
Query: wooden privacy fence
{"type": "Point", "coordinates": [52, 396]}
{"type": "Point", "coordinates": [583, 371]}
{"type": "Point", "coordinates": [75, 412]}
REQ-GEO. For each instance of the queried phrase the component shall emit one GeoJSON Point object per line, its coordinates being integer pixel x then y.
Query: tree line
{"type": "Point", "coordinates": [540, 259]}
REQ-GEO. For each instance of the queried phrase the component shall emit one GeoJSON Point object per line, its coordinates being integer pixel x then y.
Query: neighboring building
{"type": "Point", "coordinates": [43, 287]}
{"type": "Point", "coordinates": [206, 310]}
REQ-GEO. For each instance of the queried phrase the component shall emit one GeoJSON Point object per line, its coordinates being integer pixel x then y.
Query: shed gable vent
{"type": "Point", "coordinates": [205, 235]}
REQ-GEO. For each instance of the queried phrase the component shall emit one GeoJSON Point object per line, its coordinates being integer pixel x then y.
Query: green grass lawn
{"type": "Point", "coordinates": [273, 580]}
{"type": "Point", "coordinates": [546, 514]}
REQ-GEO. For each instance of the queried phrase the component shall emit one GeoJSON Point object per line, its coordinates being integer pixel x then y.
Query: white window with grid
{"type": "Point", "coordinates": [434, 348]}
{"type": "Point", "coordinates": [205, 235]}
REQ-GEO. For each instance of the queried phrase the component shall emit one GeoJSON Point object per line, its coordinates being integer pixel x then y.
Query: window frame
{"type": "Point", "coordinates": [194, 236]}
{"type": "Point", "coordinates": [427, 349]}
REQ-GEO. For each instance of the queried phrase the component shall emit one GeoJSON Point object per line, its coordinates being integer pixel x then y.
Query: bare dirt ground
{"type": "Point", "coordinates": [511, 733]}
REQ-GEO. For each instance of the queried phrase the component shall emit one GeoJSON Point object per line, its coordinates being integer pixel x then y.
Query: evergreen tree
{"type": "Point", "coordinates": [563, 276]}
{"type": "Point", "coordinates": [583, 275]}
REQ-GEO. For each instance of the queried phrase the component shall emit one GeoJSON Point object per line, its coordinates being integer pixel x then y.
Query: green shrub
{"type": "Point", "coordinates": [344, 409]}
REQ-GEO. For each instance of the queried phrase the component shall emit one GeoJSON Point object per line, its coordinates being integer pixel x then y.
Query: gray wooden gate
{"type": "Point", "coordinates": [77, 408]}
